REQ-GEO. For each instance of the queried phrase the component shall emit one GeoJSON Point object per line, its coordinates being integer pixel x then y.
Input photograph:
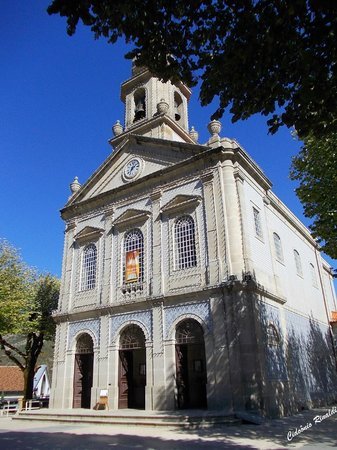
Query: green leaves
{"type": "Point", "coordinates": [315, 167]}
{"type": "Point", "coordinates": [26, 298]}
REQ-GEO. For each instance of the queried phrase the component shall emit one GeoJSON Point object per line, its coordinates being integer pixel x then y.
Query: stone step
{"type": "Point", "coordinates": [130, 419]}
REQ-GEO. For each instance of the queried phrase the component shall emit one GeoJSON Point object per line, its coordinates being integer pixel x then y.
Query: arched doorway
{"type": "Point", "coordinates": [83, 372]}
{"type": "Point", "coordinates": [191, 374]}
{"type": "Point", "coordinates": [132, 368]}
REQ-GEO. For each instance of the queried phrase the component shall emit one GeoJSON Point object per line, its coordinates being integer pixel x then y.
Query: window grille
{"type": "Point", "coordinates": [132, 338]}
{"type": "Point", "coordinates": [313, 275]}
{"type": "Point", "coordinates": [184, 232]}
{"type": "Point", "coordinates": [89, 267]}
{"type": "Point", "coordinates": [278, 247]}
{"type": "Point", "coordinates": [133, 259]}
{"type": "Point", "coordinates": [257, 222]}
{"type": "Point", "coordinates": [84, 344]}
{"type": "Point", "coordinates": [273, 338]}
{"type": "Point", "coordinates": [298, 263]}
{"type": "Point", "coordinates": [189, 332]}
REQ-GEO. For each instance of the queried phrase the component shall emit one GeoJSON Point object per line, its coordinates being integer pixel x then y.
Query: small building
{"type": "Point", "coordinates": [12, 382]}
{"type": "Point", "coordinates": [186, 282]}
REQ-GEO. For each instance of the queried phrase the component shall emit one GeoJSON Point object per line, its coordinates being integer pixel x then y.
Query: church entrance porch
{"type": "Point", "coordinates": [83, 372]}
{"type": "Point", "coordinates": [191, 376]}
{"type": "Point", "coordinates": [132, 368]}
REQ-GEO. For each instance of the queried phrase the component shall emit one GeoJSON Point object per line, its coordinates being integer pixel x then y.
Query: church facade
{"type": "Point", "coordinates": [186, 282]}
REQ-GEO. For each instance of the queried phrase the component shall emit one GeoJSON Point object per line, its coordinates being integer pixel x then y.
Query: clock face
{"type": "Point", "coordinates": [132, 168]}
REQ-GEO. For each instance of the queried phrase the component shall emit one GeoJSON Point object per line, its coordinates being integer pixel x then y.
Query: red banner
{"type": "Point", "coordinates": [132, 266]}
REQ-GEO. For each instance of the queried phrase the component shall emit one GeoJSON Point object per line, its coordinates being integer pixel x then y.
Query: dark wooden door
{"type": "Point", "coordinates": [125, 379]}
{"type": "Point", "coordinates": [83, 376]}
{"type": "Point", "coordinates": [191, 376]}
{"type": "Point", "coordinates": [182, 376]}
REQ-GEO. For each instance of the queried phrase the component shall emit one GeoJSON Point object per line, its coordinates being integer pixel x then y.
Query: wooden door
{"type": "Point", "coordinates": [182, 376]}
{"type": "Point", "coordinates": [125, 379]}
{"type": "Point", "coordinates": [83, 377]}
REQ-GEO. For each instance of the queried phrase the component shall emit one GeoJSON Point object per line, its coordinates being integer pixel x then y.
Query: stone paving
{"type": "Point", "coordinates": [314, 429]}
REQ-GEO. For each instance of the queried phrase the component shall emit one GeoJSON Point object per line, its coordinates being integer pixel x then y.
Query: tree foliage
{"type": "Point", "coordinates": [256, 56]}
{"type": "Point", "coordinates": [315, 167]}
{"type": "Point", "coordinates": [27, 300]}
{"type": "Point", "coordinates": [277, 58]}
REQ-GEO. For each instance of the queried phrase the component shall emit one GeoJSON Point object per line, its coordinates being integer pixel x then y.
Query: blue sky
{"type": "Point", "coordinates": [59, 97]}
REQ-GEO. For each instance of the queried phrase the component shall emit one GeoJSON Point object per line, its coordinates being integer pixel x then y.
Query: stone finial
{"type": "Point", "coordinates": [194, 134]}
{"type": "Point", "coordinates": [214, 127]}
{"type": "Point", "coordinates": [75, 186]}
{"type": "Point", "coordinates": [117, 128]}
{"type": "Point", "coordinates": [162, 106]}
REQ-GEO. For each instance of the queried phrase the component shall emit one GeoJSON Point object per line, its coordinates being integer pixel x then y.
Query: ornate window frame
{"type": "Point", "coordinates": [185, 256]}
{"type": "Point", "coordinates": [182, 206]}
{"type": "Point", "coordinates": [87, 237]}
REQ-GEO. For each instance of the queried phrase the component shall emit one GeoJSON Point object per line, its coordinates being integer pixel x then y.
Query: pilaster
{"type": "Point", "coordinates": [211, 230]}
{"type": "Point", "coordinates": [157, 271]}
{"type": "Point", "coordinates": [108, 250]}
{"type": "Point", "coordinates": [233, 213]}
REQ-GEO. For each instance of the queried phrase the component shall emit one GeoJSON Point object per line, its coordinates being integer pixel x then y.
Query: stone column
{"type": "Point", "coordinates": [170, 374]}
{"type": "Point", "coordinates": [158, 361]}
{"type": "Point", "coordinates": [212, 276]}
{"type": "Point", "coordinates": [106, 278]}
{"type": "Point", "coordinates": [247, 257]}
{"type": "Point", "coordinates": [233, 213]}
{"type": "Point", "coordinates": [157, 271]}
{"type": "Point", "coordinates": [68, 268]}
{"type": "Point", "coordinates": [113, 389]}
{"type": "Point", "coordinates": [218, 377]}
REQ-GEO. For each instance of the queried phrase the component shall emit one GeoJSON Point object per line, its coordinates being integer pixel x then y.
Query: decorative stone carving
{"type": "Point", "coordinates": [214, 127]}
{"type": "Point", "coordinates": [75, 186]}
{"type": "Point", "coordinates": [162, 107]}
{"type": "Point", "coordinates": [172, 313]}
{"type": "Point", "coordinates": [194, 134]}
{"type": "Point", "coordinates": [85, 326]}
{"type": "Point", "coordinates": [142, 317]}
{"type": "Point", "coordinates": [117, 129]}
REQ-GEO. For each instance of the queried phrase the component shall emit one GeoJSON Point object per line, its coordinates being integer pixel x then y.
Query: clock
{"type": "Point", "coordinates": [132, 168]}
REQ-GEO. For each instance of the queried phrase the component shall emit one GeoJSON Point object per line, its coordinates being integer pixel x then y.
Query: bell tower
{"type": "Point", "coordinates": [154, 108]}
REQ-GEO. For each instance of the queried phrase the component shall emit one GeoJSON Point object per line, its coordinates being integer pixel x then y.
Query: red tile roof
{"type": "Point", "coordinates": [11, 379]}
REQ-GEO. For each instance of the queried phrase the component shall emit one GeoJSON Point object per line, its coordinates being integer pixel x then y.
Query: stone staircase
{"type": "Point", "coordinates": [187, 419]}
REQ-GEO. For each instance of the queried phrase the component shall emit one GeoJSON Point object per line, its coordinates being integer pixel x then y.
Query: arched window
{"type": "Point", "coordinates": [278, 247]}
{"type": "Point", "coordinates": [140, 104]}
{"type": "Point", "coordinates": [313, 275]}
{"type": "Point", "coordinates": [257, 223]}
{"type": "Point", "coordinates": [178, 106]}
{"type": "Point", "coordinates": [184, 235]}
{"type": "Point", "coordinates": [89, 267]}
{"type": "Point", "coordinates": [133, 260]}
{"type": "Point", "coordinates": [273, 338]}
{"type": "Point", "coordinates": [298, 263]}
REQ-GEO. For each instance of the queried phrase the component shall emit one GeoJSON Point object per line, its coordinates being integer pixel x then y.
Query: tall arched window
{"type": "Point", "coordinates": [313, 275]}
{"type": "Point", "coordinates": [278, 247]}
{"type": "Point", "coordinates": [298, 263]}
{"type": "Point", "coordinates": [133, 259]}
{"type": "Point", "coordinates": [89, 267]}
{"type": "Point", "coordinates": [184, 235]}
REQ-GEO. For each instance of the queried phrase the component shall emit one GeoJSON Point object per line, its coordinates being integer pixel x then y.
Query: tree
{"type": "Point", "coordinates": [26, 303]}
{"type": "Point", "coordinates": [315, 167]}
{"type": "Point", "coordinates": [256, 56]}
{"type": "Point", "coordinates": [277, 58]}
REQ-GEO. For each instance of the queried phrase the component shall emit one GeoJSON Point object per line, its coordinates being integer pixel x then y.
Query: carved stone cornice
{"type": "Point", "coordinates": [181, 203]}
{"type": "Point", "coordinates": [131, 217]}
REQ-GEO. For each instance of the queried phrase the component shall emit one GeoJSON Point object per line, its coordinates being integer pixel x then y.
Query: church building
{"type": "Point", "coordinates": [186, 282]}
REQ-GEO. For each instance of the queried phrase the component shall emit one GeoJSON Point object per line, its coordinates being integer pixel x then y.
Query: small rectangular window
{"type": "Point", "coordinates": [257, 223]}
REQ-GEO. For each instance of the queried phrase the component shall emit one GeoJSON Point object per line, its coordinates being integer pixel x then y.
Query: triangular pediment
{"type": "Point", "coordinates": [89, 233]}
{"type": "Point", "coordinates": [180, 203]}
{"type": "Point", "coordinates": [132, 217]}
{"type": "Point", "coordinates": [152, 154]}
